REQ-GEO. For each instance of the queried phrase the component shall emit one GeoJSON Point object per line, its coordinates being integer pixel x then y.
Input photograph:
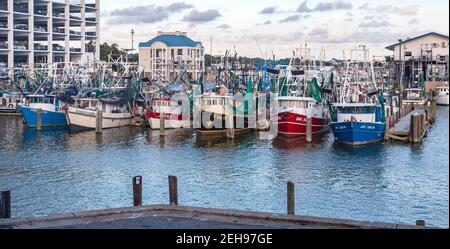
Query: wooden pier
{"type": "Point", "coordinates": [411, 123]}
{"type": "Point", "coordinates": [174, 216]}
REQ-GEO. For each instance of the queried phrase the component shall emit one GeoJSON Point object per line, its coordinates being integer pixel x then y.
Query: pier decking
{"type": "Point", "coordinates": [413, 126]}
{"type": "Point", "coordinates": [182, 217]}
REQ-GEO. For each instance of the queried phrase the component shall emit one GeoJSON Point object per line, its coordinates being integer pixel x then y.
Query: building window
{"type": "Point", "coordinates": [408, 53]}
{"type": "Point", "coordinates": [188, 52]}
{"type": "Point", "coordinates": [180, 52]}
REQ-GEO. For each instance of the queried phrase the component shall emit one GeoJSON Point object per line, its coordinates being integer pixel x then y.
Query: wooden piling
{"type": "Point", "coordinates": [415, 128]}
{"type": "Point", "coordinates": [173, 190]}
{"type": "Point", "coordinates": [290, 198]}
{"type": "Point", "coordinates": [137, 191]}
{"type": "Point", "coordinates": [99, 122]}
{"type": "Point", "coordinates": [162, 124]}
{"type": "Point", "coordinates": [39, 119]}
{"type": "Point", "coordinates": [420, 223]}
{"type": "Point", "coordinates": [5, 205]}
{"type": "Point", "coordinates": [309, 137]}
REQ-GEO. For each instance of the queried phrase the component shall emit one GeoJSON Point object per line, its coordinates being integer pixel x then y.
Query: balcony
{"type": "Point", "coordinates": [75, 50]}
{"type": "Point", "coordinates": [3, 45]}
{"type": "Point", "coordinates": [41, 12]}
{"type": "Point", "coordinates": [3, 25]}
{"type": "Point", "coordinates": [40, 47]}
{"type": "Point", "coordinates": [20, 45]}
{"type": "Point", "coordinates": [21, 26]}
{"type": "Point", "coordinates": [58, 48]}
{"type": "Point", "coordinates": [41, 29]}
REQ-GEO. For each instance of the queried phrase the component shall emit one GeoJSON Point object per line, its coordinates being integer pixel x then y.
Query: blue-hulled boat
{"type": "Point", "coordinates": [358, 123]}
{"type": "Point", "coordinates": [52, 113]}
{"type": "Point", "coordinates": [358, 116]}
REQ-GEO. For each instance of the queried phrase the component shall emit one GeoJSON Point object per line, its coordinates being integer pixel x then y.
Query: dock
{"type": "Point", "coordinates": [184, 217]}
{"type": "Point", "coordinates": [412, 123]}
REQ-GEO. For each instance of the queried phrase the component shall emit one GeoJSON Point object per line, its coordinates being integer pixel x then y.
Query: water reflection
{"type": "Point", "coordinates": [384, 181]}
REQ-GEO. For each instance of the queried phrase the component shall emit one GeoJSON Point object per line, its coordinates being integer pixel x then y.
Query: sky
{"type": "Point", "coordinates": [261, 28]}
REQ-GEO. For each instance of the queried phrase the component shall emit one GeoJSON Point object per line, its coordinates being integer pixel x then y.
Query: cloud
{"type": "Point", "coordinates": [406, 10]}
{"type": "Point", "coordinates": [374, 24]}
{"type": "Point", "coordinates": [196, 16]}
{"type": "Point", "coordinates": [303, 7]}
{"type": "Point", "coordinates": [269, 10]}
{"type": "Point", "coordinates": [318, 34]}
{"type": "Point", "coordinates": [336, 5]}
{"type": "Point", "coordinates": [414, 21]}
{"type": "Point", "coordinates": [176, 7]}
{"type": "Point", "coordinates": [268, 22]}
{"type": "Point", "coordinates": [293, 18]}
{"type": "Point", "coordinates": [145, 13]}
{"type": "Point", "coordinates": [223, 26]}
{"type": "Point", "coordinates": [409, 10]}
{"type": "Point", "coordinates": [324, 6]}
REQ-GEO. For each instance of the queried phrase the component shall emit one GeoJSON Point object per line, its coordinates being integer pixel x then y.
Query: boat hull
{"type": "Point", "coordinates": [442, 99]}
{"type": "Point", "coordinates": [81, 119]}
{"type": "Point", "coordinates": [48, 118]}
{"type": "Point", "coordinates": [172, 121]}
{"type": "Point", "coordinates": [358, 133]}
{"type": "Point", "coordinates": [292, 124]}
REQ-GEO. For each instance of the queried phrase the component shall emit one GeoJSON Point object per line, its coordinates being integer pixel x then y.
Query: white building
{"type": "Point", "coordinates": [428, 53]}
{"type": "Point", "coordinates": [41, 33]}
{"type": "Point", "coordinates": [164, 56]}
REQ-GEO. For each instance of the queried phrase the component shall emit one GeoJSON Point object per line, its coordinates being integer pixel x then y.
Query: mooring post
{"type": "Point", "coordinates": [39, 119]}
{"type": "Point", "coordinates": [420, 223]}
{"type": "Point", "coordinates": [99, 122]}
{"type": "Point", "coordinates": [5, 205]}
{"type": "Point", "coordinates": [290, 198]}
{"type": "Point", "coordinates": [162, 123]}
{"type": "Point", "coordinates": [173, 190]}
{"type": "Point", "coordinates": [137, 191]}
{"type": "Point", "coordinates": [309, 137]}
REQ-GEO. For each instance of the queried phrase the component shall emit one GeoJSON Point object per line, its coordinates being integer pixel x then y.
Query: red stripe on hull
{"type": "Point", "coordinates": [169, 116]}
{"type": "Point", "coordinates": [294, 124]}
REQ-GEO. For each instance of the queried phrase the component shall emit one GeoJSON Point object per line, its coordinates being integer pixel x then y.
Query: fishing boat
{"type": "Point", "coordinates": [219, 112]}
{"type": "Point", "coordinates": [52, 113]}
{"type": "Point", "coordinates": [10, 102]}
{"type": "Point", "coordinates": [300, 98]}
{"type": "Point", "coordinates": [441, 95]}
{"type": "Point", "coordinates": [359, 113]}
{"type": "Point", "coordinates": [83, 114]}
{"type": "Point", "coordinates": [173, 113]}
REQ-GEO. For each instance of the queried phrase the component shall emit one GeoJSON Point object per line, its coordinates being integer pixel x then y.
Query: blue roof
{"type": "Point", "coordinates": [171, 41]}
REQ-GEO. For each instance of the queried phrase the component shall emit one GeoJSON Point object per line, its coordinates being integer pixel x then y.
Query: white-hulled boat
{"type": "Point", "coordinates": [83, 114]}
{"type": "Point", "coordinates": [441, 95]}
{"type": "Point", "coordinates": [173, 112]}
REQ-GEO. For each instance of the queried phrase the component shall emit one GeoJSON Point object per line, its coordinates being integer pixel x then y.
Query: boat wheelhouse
{"type": "Point", "coordinates": [218, 111]}
{"type": "Point", "coordinates": [52, 113]}
{"type": "Point", "coordinates": [173, 113]}
{"type": "Point", "coordinates": [293, 113]}
{"type": "Point", "coordinates": [415, 96]}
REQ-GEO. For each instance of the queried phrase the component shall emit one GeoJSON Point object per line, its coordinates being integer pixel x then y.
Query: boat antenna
{"type": "Point", "coordinates": [262, 54]}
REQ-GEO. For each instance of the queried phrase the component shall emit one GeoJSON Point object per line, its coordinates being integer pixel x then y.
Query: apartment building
{"type": "Point", "coordinates": [169, 53]}
{"type": "Point", "coordinates": [43, 33]}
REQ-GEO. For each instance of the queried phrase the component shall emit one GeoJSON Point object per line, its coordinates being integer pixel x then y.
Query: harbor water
{"type": "Point", "coordinates": [54, 171]}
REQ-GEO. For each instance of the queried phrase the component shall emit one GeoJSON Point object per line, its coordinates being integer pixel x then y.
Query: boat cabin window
{"type": "Point", "coordinates": [215, 102]}
{"type": "Point", "coordinates": [208, 102]}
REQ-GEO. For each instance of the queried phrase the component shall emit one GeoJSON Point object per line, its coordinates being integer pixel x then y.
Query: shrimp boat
{"type": "Point", "coordinates": [359, 112]}
{"type": "Point", "coordinates": [52, 113]}
{"type": "Point", "coordinates": [220, 111]}
{"type": "Point", "coordinates": [173, 112]}
{"type": "Point", "coordinates": [83, 114]}
{"type": "Point", "coordinates": [300, 99]}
